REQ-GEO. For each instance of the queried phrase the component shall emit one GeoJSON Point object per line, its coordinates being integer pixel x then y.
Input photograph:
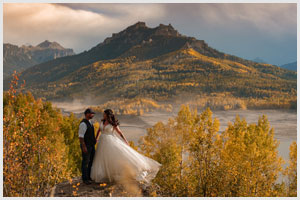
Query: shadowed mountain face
{"type": "Point", "coordinates": [157, 63]}
{"type": "Point", "coordinates": [21, 58]}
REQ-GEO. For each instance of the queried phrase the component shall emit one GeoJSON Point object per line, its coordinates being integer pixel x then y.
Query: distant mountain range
{"type": "Point", "coordinates": [290, 66]}
{"type": "Point", "coordinates": [20, 58]}
{"type": "Point", "coordinates": [158, 63]}
{"type": "Point", "coordinates": [259, 60]}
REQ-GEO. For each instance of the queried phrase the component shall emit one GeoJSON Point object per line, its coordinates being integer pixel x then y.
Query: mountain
{"type": "Point", "coordinates": [290, 66]}
{"type": "Point", "coordinates": [259, 60]}
{"type": "Point", "coordinates": [157, 63]}
{"type": "Point", "coordinates": [20, 58]}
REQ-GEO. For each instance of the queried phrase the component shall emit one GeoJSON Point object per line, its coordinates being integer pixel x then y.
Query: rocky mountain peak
{"type": "Point", "coordinates": [139, 31]}
{"type": "Point", "coordinates": [132, 34]}
{"type": "Point", "coordinates": [166, 30]}
{"type": "Point", "coordinates": [20, 58]}
{"type": "Point", "coordinates": [48, 44]}
{"type": "Point", "coordinates": [138, 25]}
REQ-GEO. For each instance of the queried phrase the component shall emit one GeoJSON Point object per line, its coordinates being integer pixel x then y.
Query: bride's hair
{"type": "Point", "coordinates": [110, 118]}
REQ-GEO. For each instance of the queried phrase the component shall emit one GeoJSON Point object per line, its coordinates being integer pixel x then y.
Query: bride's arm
{"type": "Point", "coordinates": [98, 132]}
{"type": "Point", "coordinates": [120, 133]}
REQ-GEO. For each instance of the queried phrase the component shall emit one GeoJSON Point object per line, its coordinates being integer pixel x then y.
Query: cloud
{"type": "Point", "coordinates": [275, 19]}
{"type": "Point", "coordinates": [70, 25]}
{"type": "Point", "coordinates": [127, 10]}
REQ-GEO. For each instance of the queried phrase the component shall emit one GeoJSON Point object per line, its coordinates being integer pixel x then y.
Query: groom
{"type": "Point", "coordinates": [87, 143]}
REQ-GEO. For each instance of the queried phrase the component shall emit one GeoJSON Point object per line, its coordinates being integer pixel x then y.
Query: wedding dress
{"type": "Point", "coordinates": [114, 158]}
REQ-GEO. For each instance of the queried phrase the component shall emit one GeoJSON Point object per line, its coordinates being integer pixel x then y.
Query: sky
{"type": "Point", "coordinates": [264, 30]}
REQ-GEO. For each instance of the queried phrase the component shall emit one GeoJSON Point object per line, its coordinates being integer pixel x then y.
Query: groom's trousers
{"type": "Point", "coordinates": [87, 160]}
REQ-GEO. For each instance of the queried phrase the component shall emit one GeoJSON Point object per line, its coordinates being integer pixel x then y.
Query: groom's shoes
{"type": "Point", "coordinates": [87, 182]}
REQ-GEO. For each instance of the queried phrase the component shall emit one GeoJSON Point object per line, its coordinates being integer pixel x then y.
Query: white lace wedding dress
{"type": "Point", "coordinates": [114, 158]}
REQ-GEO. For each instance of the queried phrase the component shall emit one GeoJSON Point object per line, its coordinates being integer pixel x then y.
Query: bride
{"type": "Point", "coordinates": [114, 155]}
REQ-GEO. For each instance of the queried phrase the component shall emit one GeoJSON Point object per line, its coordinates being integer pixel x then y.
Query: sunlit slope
{"type": "Point", "coordinates": [157, 63]}
{"type": "Point", "coordinates": [167, 76]}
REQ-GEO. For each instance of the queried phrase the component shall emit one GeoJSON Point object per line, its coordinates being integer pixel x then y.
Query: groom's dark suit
{"type": "Point", "coordinates": [87, 158]}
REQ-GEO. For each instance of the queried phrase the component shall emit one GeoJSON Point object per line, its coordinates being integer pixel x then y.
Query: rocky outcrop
{"type": "Point", "coordinates": [76, 188]}
{"type": "Point", "coordinates": [166, 30]}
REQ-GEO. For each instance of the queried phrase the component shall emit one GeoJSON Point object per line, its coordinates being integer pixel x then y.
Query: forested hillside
{"type": "Point", "coordinates": [162, 65]}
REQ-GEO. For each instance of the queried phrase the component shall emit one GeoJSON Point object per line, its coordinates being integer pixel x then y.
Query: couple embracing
{"type": "Point", "coordinates": [113, 154]}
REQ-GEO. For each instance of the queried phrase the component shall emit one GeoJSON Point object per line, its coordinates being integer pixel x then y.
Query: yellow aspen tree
{"type": "Point", "coordinates": [249, 159]}
{"type": "Point", "coordinates": [291, 171]}
{"type": "Point", "coordinates": [204, 154]}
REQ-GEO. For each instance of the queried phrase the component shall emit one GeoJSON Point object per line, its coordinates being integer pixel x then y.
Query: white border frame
{"type": "Point", "coordinates": [147, 1]}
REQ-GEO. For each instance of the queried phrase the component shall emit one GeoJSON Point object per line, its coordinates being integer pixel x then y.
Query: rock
{"type": "Point", "coordinates": [123, 189]}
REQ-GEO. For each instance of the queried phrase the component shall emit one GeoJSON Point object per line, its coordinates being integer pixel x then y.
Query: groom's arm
{"type": "Point", "coordinates": [84, 149]}
{"type": "Point", "coordinates": [81, 132]}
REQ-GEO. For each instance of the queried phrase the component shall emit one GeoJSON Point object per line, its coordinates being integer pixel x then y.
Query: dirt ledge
{"type": "Point", "coordinates": [76, 188]}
